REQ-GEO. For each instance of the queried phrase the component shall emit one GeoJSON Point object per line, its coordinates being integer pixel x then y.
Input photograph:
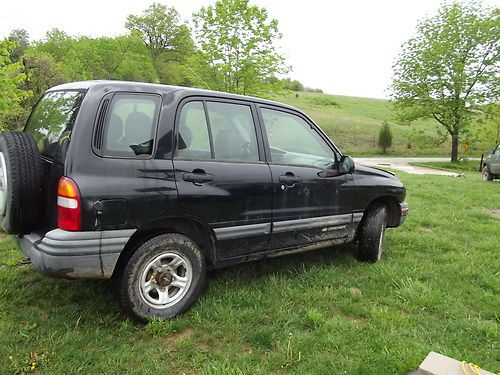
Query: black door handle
{"type": "Point", "coordinates": [289, 179]}
{"type": "Point", "coordinates": [197, 178]}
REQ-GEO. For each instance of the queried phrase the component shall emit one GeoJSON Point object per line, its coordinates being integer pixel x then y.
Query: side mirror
{"type": "Point", "coordinates": [346, 164]}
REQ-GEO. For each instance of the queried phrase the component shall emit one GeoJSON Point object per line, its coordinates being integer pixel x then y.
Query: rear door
{"type": "Point", "coordinates": [312, 201]}
{"type": "Point", "coordinates": [221, 177]}
{"type": "Point", "coordinates": [51, 124]}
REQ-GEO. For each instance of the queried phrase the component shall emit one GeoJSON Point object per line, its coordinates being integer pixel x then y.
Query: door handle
{"type": "Point", "coordinates": [197, 178]}
{"type": "Point", "coordinates": [289, 179]}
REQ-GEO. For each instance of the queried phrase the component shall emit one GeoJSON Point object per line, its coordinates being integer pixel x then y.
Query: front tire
{"type": "Point", "coordinates": [163, 278]}
{"type": "Point", "coordinates": [371, 234]}
{"type": "Point", "coordinates": [487, 176]}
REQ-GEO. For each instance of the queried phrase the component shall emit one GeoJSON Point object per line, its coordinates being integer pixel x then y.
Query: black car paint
{"type": "Point", "coordinates": [146, 193]}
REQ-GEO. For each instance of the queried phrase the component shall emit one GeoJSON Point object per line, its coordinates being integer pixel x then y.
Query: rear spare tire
{"type": "Point", "coordinates": [20, 182]}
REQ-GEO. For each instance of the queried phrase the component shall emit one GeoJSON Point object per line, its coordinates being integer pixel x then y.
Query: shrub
{"type": "Point", "coordinates": [385, 136]}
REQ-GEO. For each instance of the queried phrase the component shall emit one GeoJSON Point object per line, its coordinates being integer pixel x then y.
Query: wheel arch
{"type": "Point", "coordinates": [392, 205]}
{"type": "Point", "coordinates": [198, 231]}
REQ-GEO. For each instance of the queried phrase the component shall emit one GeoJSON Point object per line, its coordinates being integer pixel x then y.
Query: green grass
{"type": "Point", "coordinates": [436, 288]}
{"type": "Point", "coordinates": [459, 166]}
{"type": "Point", "coordinates": [353, 124]}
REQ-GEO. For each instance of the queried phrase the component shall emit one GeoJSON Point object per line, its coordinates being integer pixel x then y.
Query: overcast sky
{"type": "Point", "coordinates": [343, 47]}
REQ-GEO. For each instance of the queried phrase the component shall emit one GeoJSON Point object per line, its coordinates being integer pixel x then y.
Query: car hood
{"type": "Point", "coordinates": [376, 176]}
{"type": "Point", "coordinates": [374, 171]}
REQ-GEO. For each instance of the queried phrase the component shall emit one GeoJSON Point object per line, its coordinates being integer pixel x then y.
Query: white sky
{"type": "Point", "coordinates": [345, 47]}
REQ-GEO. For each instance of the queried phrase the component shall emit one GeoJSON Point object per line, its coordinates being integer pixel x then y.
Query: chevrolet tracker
{"type": "Point", "coordinates": [152, 185]}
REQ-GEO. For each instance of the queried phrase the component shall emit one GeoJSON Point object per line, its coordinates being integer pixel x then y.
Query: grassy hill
{"type": "Point", "coordinates": [353, 124]}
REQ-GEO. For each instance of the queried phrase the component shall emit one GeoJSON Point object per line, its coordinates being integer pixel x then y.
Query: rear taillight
{"type": "Point", "coordinates": [69, 211]}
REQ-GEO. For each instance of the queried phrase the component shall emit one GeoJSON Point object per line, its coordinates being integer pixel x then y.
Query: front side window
{"type": "Point", "coordinates": [131, 125]}
{"type": "Point", "coordinates": [216, 130]}
{"type": "Point", "coordinates": [293, 141]}
{"type": "Point", "coordinates": [52, 120]}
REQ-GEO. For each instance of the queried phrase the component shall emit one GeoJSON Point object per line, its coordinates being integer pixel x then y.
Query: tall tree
{"type": "Point", "coordinates": [449, 68]}
{"type": "Point", "coordinates": [161, 30]}
{"type": "Point", "coordinates": [236, 48]}
{"type": "Point", "coordinates": [11, 79]}
{"type": "Point", "coordinates": [20, 38]}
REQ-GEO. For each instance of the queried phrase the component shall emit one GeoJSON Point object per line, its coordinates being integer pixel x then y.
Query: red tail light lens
{"type": "Point", "coordinates": [69, 213]}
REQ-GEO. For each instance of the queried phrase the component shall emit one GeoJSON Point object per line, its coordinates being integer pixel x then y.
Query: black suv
{"type": "Point", "coordinates": [151, 185]}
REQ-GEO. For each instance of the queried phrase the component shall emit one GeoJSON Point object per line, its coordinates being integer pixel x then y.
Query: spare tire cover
{"type": "Point", "coordinates": [20, 183]}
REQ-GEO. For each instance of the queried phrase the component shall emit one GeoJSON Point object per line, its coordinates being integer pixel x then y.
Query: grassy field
{"type": "Point", "coordinates": [459, 166]}
{"type": "Point", "coordinates": [353, 124]}
{"type": "Point", "coordinates": [436, 288]}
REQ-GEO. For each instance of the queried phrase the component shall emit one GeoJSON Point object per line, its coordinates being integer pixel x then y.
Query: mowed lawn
{"type": "Point", "coordinates": [436, 288]}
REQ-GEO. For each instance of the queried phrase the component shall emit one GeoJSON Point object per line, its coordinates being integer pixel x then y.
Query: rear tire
{"type": "Point", "coordinates": [20, 183]}
{"type": "Point", "coordinates": [163, 278]}
{"type": "Point", "coordinates": [371, 234]}
{"type": "Point", "coordinates": [487, 176]}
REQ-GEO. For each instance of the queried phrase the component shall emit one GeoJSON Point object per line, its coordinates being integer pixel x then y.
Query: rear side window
{"type": "Point", "coordinates": [52, 121]}
{"type": "Point", "coordinates": [131, 125]}
{"type": "Point", "coordinates": [193, 138]}
{"type": "Point", "coordinates": [233, 131]}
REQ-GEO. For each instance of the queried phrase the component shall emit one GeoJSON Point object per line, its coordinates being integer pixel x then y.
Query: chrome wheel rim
{"type": "Point", "coordinates": [485, 173]}
{"type": "Point", "coordinates": [165, 280]}
{"type": "Point", "coordinates": [3, 185]}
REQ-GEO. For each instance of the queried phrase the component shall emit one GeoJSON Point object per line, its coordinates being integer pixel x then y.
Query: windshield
{"type": "Point", "coordinates": [52, 120]}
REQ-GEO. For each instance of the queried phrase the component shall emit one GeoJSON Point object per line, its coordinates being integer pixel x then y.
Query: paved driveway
{"type": "Point", "coordinates": [403, 165]}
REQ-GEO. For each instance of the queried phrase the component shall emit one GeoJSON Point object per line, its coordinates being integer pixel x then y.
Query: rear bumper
{"type": "Point", "coordinates": [75, 255]}
{"type": "Point", "coordinates": [403, 212]}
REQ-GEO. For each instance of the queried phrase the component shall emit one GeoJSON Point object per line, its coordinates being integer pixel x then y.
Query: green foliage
{"type": "Point", "coordinates": [157, 327]}
{"type": "Point", "coordinates": [20, 38]}
{"type": "Point", "coordinates": [11, 93]}
{"type": "Point", "coordinates": [492, 112]}
{"type": "Point", "coordinates": [322, 101]}
{"type": "Point", "coordinates": [385, 136]}
{"type": "Point", "coordinates": [314, 319]}
{"type": "Point", "coordinates": [167, 39]}
{"type": "Point", "coordinates": [295, 85]}
{"type": "Point", "coordinates": [82, 58]}
{"type": "Point", "coordinates": [161, 31]}
{"type": "Point", "coordinates": [236, 51]}
{"type": "Point", "coordinates": [449, 68]}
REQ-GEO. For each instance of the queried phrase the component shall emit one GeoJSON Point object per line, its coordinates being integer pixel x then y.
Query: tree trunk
{"type": "Point", "coordinates": [454, 147]}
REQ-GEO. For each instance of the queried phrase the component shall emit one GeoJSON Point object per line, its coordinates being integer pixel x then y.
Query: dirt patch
{"type": "Point", "coordinates": [493, 212]}
{"type": "Point", "coordinates": [178, 336]}
{"type": "Point", "coordinates": [356, 292]}
{"type": "Point", "coordinates": [204, 346]}
{"type": "Point", "coordinates": [426, 229]}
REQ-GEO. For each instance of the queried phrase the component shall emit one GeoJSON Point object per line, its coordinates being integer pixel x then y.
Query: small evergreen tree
{"type": "Point", "coordinates": [385, 136]}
